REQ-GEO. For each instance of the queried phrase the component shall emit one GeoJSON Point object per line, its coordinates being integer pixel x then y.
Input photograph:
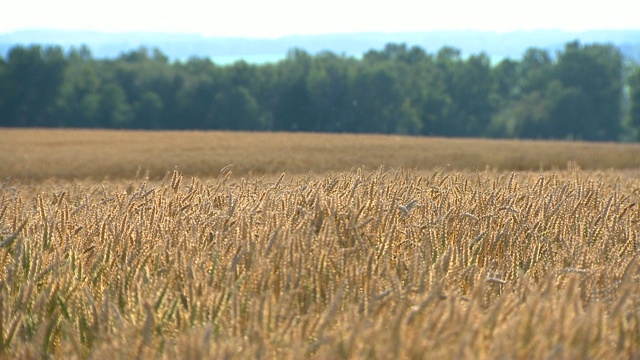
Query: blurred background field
{"type": "Point", "coordinates": [38, 154]}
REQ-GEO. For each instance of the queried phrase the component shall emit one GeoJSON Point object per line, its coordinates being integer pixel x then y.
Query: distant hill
{"type": "Point", "coordinates": [226, 50]}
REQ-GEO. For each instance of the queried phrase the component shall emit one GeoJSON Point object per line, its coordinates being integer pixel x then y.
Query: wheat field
{"type": "Point", "coordinates": [389, 262]}
{"type": "Point", "coordinates": [39, 154]}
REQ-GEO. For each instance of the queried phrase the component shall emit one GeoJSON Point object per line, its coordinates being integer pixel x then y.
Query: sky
{"type": "Point", "coordinates": [276, 18]}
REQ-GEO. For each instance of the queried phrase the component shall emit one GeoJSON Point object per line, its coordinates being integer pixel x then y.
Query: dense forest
{"type": "Point", "coordinates": [584, 92]}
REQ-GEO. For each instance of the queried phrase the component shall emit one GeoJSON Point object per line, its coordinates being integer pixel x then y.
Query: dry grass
{"type": "Point", "coordinates": [357, 264]}
{"type": "Point", "coordinates": [75, 154]}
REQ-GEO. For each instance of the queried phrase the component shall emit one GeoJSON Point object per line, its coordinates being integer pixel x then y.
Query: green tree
{"type": "Point", "coordinates": [79, 97]}
{"type": "Point", "coordinates": [32, 77]}
{"type": "Point", "coordinates": [237, 110]}
{"type": "Point", "coordinates": [504, 82]}
{"type": "Point", "coordinates": [397, 89]}
{"type": "Point", "coordinates": [397, 53]}
{"type": "Point", "coordinates": [472, 94]}
{"type": "Point", "coordinates": [634, 111]}
{"type": "Point", "coordinates": [526, 117]}
{"type": "Point", "coordinates": [201, 81]}
{"type": "Point", "coordinates": [328, 88]}
{"type": "Point", "coordinates": [450, 120]}
{"type": "Point", "coordinates": [292, 111]}
{"type": "Point", "coordinates": [591, 109]}
{"type": "Point", "coordinates": [148, 110]}
{"type": "Point", "coordinates": [150, 87]}
{"type": "Point", "coordinates": [4, 91]}
{"type": "Point", "coordinates": [408, 119]}
{"type": "Point", "coordinates": [536, 71]}
{"type": "Point", "coordinates": [376, 97]}
{"type": "Point", "coordinates": [524, 96]}
{"type": "Point", "coordinates": [115, 111]}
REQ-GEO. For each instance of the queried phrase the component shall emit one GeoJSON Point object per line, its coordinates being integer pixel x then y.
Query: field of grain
{"type": "Point", "coordinates": [383, 263]}
{"type": "Point", "coordinates": [38, 154]}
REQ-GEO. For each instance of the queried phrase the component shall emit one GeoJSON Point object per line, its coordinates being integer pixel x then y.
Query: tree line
{"type": "Point", "coordinates": [584, 92]}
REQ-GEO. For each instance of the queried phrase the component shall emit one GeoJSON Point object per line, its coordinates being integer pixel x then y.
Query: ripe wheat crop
{"type": "Point", "coordinates": [40, 154]}
{"type": "Point", "coordinates": [355, 264]}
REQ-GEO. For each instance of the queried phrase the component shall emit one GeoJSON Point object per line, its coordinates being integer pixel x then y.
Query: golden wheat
{"type": "Point", "coordinates": [357, 264]}
{"type": "Point", "coordinates": [41, 154]}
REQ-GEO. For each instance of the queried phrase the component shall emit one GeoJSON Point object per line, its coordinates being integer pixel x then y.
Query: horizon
{"type": "Point", "coordinates": [228, 50]}
{"type": "Point", "coordinates": [284, 18]}
{"type": "Point", "coordinates": [204, 36]}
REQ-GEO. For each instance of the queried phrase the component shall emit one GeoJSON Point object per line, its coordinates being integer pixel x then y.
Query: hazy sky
{"type": "Point", "coordinates": [273, 18]}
